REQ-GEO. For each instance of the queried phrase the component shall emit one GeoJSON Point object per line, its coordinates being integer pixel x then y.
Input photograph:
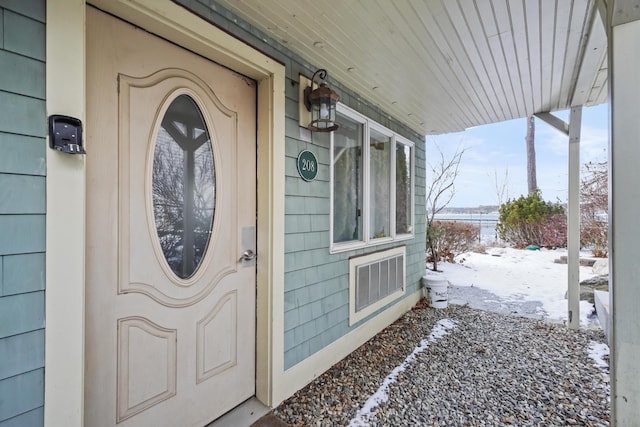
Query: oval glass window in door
{"type": "Point", "coordinates": [183, 186]}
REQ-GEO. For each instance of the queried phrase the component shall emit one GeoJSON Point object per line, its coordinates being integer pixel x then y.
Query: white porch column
{"type": "Point", "coordinates": [573, 219]}
{"type": "Point", "coordinates": [572, 130]}
{"type": "Point", "coordinates": [624, 209]}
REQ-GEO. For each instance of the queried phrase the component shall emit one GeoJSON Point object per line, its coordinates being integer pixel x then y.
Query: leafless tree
{"type": "Point", "coordinates": [440, 192]}
{"type": "Point", "coordinates": [502, 185]}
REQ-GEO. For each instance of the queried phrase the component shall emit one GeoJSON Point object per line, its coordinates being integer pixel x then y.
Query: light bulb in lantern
{"type": "Point", "coordinates": [324, 111]}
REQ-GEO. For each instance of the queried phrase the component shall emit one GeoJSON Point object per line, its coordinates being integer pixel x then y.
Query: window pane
{"type": "Point", "coordinates": [380, 180]}
{"type": "Point", "coordinates": [347, 180]}
{"type": "Point", "coordinates": [183, 186]}
{"type": "Point", "coordinates": [403, 189]}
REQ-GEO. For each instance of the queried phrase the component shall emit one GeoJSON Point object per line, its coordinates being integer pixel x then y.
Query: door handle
{"type": "Point", "coordinates": [248, 255]}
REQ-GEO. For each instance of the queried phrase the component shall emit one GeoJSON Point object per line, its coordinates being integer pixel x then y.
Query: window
{"type": "Point", "coordinates": [379, 184]}
{"type": "Point", "coordinates": [404, 186]}
{"type": "Point", "coordinates": [372, 183]}
{"type": "Point", "coordinates": [184, 186]}
{"type": "Point", "coordinates": [347, 180]}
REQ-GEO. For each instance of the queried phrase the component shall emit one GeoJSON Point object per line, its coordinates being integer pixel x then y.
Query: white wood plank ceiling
{"type": "Point", "coordinates": [445, 65]}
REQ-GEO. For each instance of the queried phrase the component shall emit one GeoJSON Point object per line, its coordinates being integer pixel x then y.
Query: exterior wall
{"type": "Point", "coordinates": [316, 299]}
{"type": "Point", "coordinates": [22, 211]}
{"type": "Point", "coordinates": [316, 288]}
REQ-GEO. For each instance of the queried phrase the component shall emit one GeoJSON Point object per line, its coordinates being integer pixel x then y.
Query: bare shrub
{"type": "Point", "coordinates": [453, 238]}
{"type": "Point", "coordinates": [554, 231]}
{"type": "Point", "coordinates": [593, 209]}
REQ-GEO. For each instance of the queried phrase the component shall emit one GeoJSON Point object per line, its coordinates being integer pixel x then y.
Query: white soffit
{"type": "Point", "coordinates": [445, 65]}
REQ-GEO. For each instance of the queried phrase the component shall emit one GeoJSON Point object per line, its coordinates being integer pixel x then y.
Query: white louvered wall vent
{"type": "Point", "coordinates": [375, 280]}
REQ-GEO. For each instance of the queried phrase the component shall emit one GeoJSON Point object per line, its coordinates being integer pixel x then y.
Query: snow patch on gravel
{"type": "Point", "coordinates": [597, 352]}
{"type": "Point", "coordinates": [361, 419]}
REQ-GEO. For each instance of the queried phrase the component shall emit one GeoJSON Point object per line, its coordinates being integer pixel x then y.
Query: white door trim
{"type": "Point", "coordinates": [64, 376]}
{"type": "Point", "coordinates": [64, 296]}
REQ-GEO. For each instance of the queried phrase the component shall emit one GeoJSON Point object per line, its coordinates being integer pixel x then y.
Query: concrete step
{"type": "Point", "coordinates": [244, 415]}
{"type": "Point", "coordinates": [584, 262]}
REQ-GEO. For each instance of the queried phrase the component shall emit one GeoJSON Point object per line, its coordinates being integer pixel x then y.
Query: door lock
{"type": "Point", "coordinates": [248, 255]}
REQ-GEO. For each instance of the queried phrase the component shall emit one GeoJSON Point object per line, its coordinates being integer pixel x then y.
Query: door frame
{"type": "Point", "coordinates": [66, 187]}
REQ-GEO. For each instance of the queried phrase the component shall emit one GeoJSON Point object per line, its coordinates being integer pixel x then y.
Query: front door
{"type": "Point", "coordinates": [171, 216]}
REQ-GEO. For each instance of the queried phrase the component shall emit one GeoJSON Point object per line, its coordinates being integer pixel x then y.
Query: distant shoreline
{"type": "Point", "coordinates": [489, 209]}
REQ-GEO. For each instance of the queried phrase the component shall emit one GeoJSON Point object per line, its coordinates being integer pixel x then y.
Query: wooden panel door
{"type": "Point", "coordinates": [170, 299]}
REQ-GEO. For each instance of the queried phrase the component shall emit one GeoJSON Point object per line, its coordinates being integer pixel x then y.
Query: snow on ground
{"type": "Point", "coordinates": [507, 277]}
{"type": "Point", "coordinates": [598, 352]}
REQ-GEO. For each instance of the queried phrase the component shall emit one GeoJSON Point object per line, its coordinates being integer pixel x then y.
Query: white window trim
{"type": "Point", "coordinates": [367, 241]}
{"type": "Point", "coordinates": [412, 197]}
{"type": "Point", "coordinates": [367, 183]}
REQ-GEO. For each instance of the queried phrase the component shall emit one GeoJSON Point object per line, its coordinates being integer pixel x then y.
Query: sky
{"type": "Point", "coordinates": [500, 148]}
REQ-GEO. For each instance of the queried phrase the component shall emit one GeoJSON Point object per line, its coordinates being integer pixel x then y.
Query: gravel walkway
{"type": "Point", "coordinates": [460, 367]}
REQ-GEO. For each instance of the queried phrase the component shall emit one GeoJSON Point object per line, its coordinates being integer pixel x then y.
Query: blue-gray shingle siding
{"type": "Point", "coordinates": [316, 286]}
{"type": "Point", "coordinates": [22, 211]}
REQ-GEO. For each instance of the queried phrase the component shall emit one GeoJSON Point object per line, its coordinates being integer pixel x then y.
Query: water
{"type": "Point", "coordinates": [486, 222]}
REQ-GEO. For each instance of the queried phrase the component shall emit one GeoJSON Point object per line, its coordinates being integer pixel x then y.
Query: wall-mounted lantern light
{"type": "Point", "coordinates": [321, 102]}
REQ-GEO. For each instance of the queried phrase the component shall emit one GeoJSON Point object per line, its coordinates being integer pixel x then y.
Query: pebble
{"type": "Point", "coordinates": [491, 369]}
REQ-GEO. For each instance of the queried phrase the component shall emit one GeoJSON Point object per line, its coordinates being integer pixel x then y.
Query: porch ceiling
{"type": "Point", "coordinates": [445, 65]}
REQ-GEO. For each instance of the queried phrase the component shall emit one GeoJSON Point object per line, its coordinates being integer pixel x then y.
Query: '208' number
{"type": "Point", "coordinates": [308, 165]}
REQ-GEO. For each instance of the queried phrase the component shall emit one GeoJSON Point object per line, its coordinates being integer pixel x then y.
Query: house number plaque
{"type": "Point", "coordinates": [307, 165]}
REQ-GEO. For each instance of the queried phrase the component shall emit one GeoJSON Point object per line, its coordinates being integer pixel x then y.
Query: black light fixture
{"type": "Point", "coordinates": [321, 102]}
